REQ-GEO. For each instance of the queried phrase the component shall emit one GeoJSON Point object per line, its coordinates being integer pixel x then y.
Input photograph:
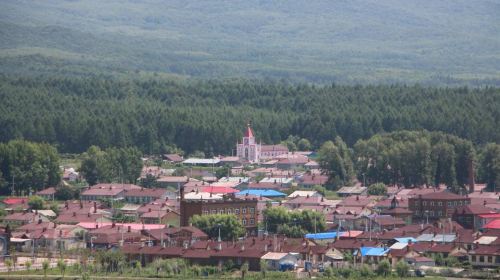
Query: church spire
{"type": "Point", "coordinates": [249, 132]}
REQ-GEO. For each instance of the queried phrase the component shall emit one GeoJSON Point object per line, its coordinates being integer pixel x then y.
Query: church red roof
{"type": "Point", "coordinates": [249, 132]}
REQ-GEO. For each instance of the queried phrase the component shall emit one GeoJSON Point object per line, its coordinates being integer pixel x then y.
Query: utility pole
{"type": "Point", "coordinates": [13, 184]}
{"type": "Point", "coordinates": [219, 239]}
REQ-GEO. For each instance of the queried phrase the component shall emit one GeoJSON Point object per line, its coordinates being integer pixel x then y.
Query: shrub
{"type": "Point", "coordinates": [402, 269]}
{"type": "Point", "coordinates": [384, 268]}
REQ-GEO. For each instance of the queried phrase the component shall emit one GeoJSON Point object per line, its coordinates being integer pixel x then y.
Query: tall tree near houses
{"type": "Point", "coordinates": [490, 166]}
{"type": "Point", "coordinates": [334, 163]}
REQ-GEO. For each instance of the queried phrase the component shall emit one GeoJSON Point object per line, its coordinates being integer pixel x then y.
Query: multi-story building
{"type": "Point", "coordinates": [436, 205]}
{"type": "Point", "coordinates": [244, 209]}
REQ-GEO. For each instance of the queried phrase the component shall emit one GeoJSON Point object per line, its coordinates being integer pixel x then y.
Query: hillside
{"type": "Point", "coordinates": [156, 115]}
{"type": "Point", "coordinates": [384, 41]}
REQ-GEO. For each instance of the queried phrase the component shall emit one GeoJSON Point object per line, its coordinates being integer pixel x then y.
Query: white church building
{"type": "Point", "coordinates": [251, 151]}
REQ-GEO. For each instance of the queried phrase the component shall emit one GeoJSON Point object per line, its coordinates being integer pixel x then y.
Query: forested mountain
{"type": "Point", "coordinates": [158, 114]}
{"type": "Point", "coordinates": [446, 42]}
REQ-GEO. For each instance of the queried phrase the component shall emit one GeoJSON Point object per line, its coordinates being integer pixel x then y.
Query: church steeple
{"type": "Point", "coordinates": [249, 132]}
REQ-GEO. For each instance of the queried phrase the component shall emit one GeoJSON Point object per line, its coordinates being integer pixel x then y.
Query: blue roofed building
{"type": "Point", "coordinates": [373, 254]}
{"type": "Point", "coordinates": [261, 192]}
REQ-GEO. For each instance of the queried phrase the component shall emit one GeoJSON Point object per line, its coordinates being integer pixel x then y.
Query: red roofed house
{"type": "Point", "coordinates": [173, 158]}
{"type": "Point", "coordinates": [47, 193]}
{"type": "Point", "coordinates": [144, 195]}
{"type": "Point", "coordinates": [21, 218]}
{"type": "Point", "coordinates": [166, 217]}
{"type": "Point", "coordinates": [485, 256]}
{"type": "Point", "coordinates": [16, 203]}
{"type": "Point", "coordinates": [107, 191]}
{"type": "Point", "coordinates": [311, 180]}
{"type": "Point", "coordinates": [436, 205]}
{"type": "Point", "coordinates": [468, 216]}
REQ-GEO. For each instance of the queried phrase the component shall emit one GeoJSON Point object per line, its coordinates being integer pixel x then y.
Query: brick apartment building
{"type": "Point", "coordinates": [436, 205]}
{"type": "Point", "coordinates": [245, 209]}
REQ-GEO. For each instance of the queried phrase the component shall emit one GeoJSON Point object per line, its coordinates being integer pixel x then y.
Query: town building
{"type": "Point", "coordinates": [246, 210]}
{"type": "Point", "coordinates": [48, 193]}
{"type": "Point", "coordinates": [251, 151]}
{"type": "Point", "coordinates": [436, 205]}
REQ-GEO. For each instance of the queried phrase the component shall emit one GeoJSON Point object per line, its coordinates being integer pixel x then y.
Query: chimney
{"type": "Point", "coordinates": [96, 226]}
{"type": "Point", "coordinates": [470, 169]}
{"type": "Point", "coordinates": [128, 229]}
{"type": "Point", "coordinates": [113, 224]}
{"type": "Point", "coordinates": [44, 229]}
{"type": "Point", "coordinates": [60, 232]}
{"type": "Point", "coordinates": [95, 207]}
{"type": "Point", "coordinates": [484, 203]}
{"type": "Point", "coordinates": [357, 198]}
{"type": "Point", "coordinates": [74, 214]}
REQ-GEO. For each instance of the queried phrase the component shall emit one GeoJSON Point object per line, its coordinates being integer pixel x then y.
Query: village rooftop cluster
{"type": "Point", "coordinates": [411, 225]}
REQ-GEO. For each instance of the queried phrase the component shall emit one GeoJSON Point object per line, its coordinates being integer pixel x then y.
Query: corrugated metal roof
{"type": "Point", "coordinates": [405, 239]}
{"type": "Point", "coordinates": [373, 251]}
{"type": "Point", "coordinates": [398, 246]}
{"type": "Point", "coordinates": [425, 237]}
{"type": "Point", "coordinates": [321, 235]}
{"type": "Point", "coordinates": [444, 238]}
{"type": "Point", "coordinates": [262, 192]}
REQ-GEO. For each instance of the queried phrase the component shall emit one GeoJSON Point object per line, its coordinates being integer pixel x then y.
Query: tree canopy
{"type": "Point", "coordinates": [111, 165]}
{"type": "Point", "coordinates": [28, 166]}
{"type": "Point", "coordinates": [415, 158]}
{"type": "Point", "coordinates": [293, 223]}
{"type": "Point", "coordinates": [161, 115]}
{"type": "Point", "coordinates": [229, 225]}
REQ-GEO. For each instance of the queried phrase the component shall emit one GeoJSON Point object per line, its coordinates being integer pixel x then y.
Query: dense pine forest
{"type": "Point", "coordinates": [158, 115]}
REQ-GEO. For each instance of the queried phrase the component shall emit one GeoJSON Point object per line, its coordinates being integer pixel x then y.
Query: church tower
{"type": "Point", "coordinates": [248, 149]}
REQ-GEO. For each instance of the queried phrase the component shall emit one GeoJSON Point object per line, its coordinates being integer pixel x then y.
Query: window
{"type": "Point", "coordinates": [481, 258]}
{"type": "Point", "coordinates": [229, 211]}
{"type": "Point", "coordinates": [221, 211]}
{"type": "Point", "coordinates": [424, 203]}
{"type": "Point", "coordinates": [416, 203]}
{"type": "Point", "coordinates": [440, 203]}
{"type": "Point", "coordinates": [244, 210]}
{"type": "Point", "coordinates": [252, 221]}
{"type": "Point", "coordinates": [440, 213]}
{"type": "Point", "coordinates": [237, 211]}
{"type": "Point", "coordinates": [432, 203]}
{"type": "Point", "coordinates": [431, 213]}
{"type": "Point", "coordinates": [455, 203]}
{"type": "Point", "coordinates": [473, 258]}
{"type": "Point", "coordinates": [214, 211]}
{"type": "Point", "coordinates": [460, 203]}
{"type": "Point", "coordinates": [449, 203]}
{"type": "Point", "coordinates": [252, 210]}
{"type": "Point", "coordinates": [244, 221]}
{"type": "Point", "coordinates": [417, 212]}
{"type": "Point", "coordinates": [205, 212]}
